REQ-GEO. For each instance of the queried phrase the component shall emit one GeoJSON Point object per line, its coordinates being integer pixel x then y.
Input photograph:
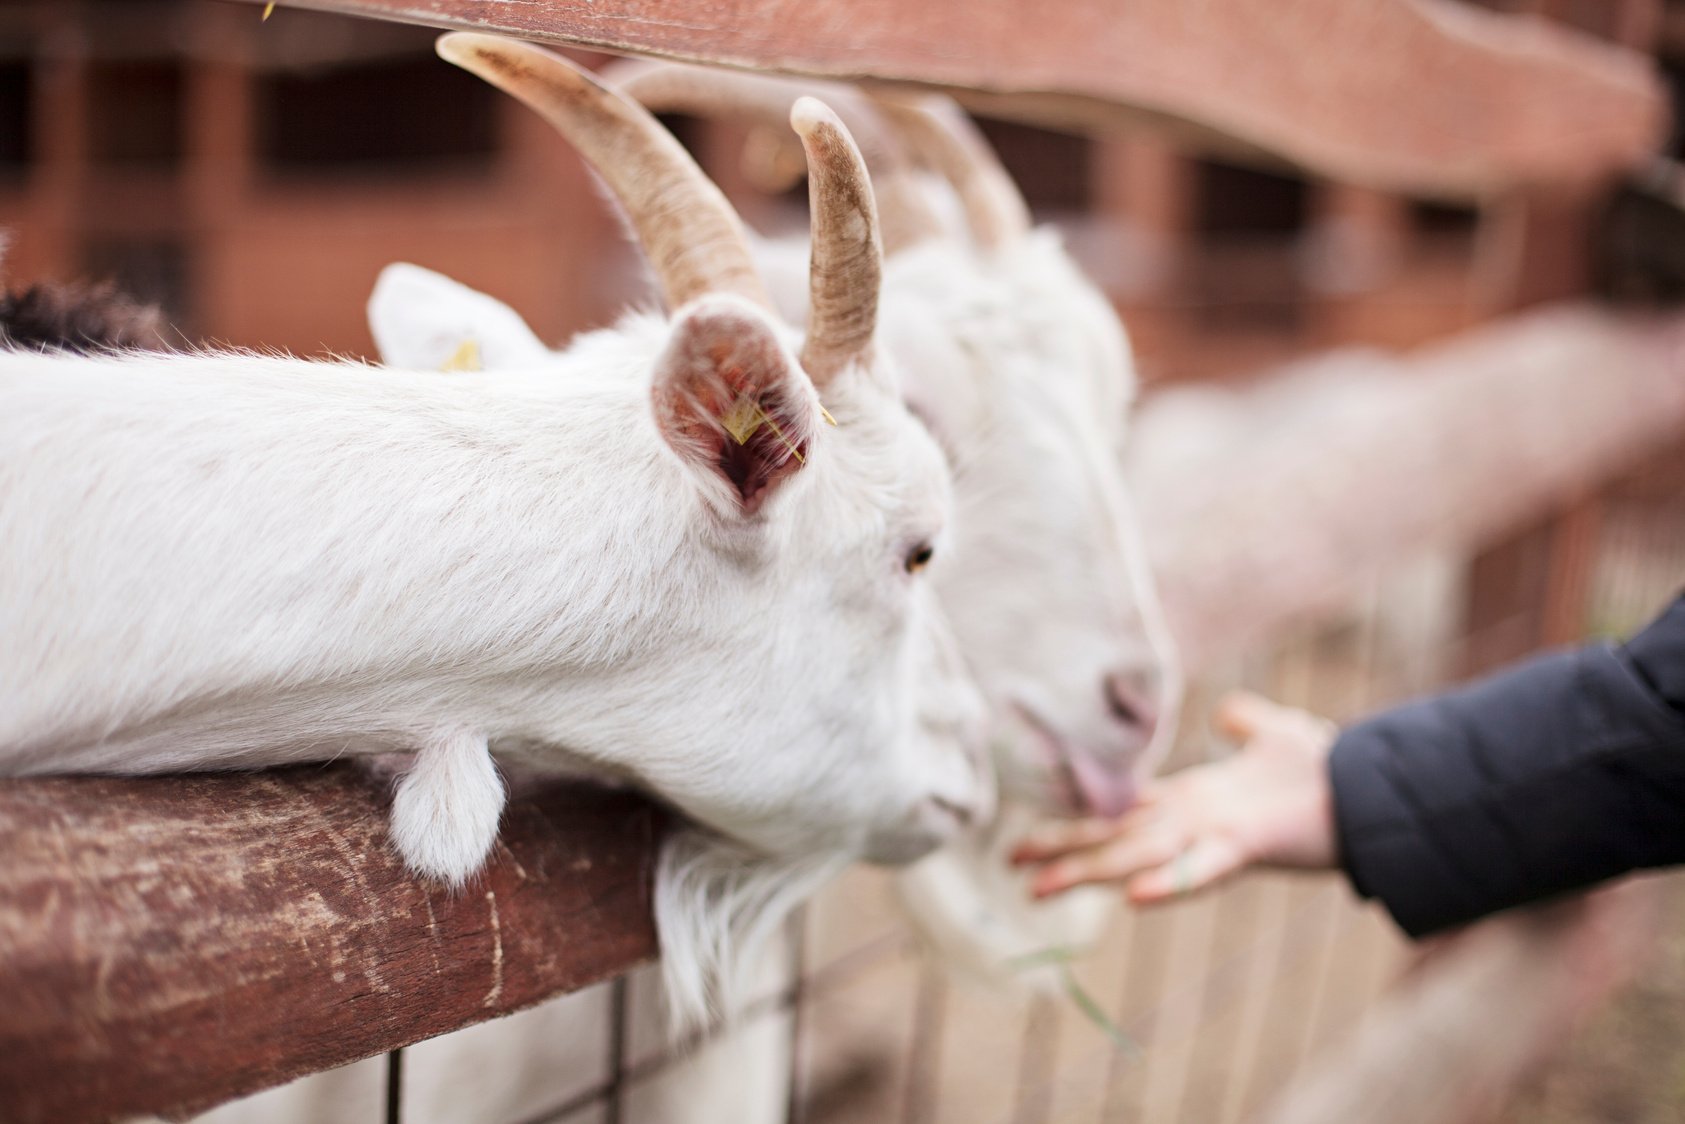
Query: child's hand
{"type": "Point", "coordinates": [1268, 804]}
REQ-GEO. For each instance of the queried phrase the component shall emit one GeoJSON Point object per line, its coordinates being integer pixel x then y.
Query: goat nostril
{"type": "Point", "coordinates": [960, 812]}
{"type": "Point", "coordinates": [1133, 697]}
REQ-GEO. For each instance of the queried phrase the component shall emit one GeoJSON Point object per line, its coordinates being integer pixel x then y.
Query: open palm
{"type": "Point", "coordinates": [1269, 804]}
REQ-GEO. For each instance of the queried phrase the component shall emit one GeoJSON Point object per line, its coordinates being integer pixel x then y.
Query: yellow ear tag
{"type": "Point", "coordinates": [745, 419]}
{"type": "Point", "coordinates": [465, 358]}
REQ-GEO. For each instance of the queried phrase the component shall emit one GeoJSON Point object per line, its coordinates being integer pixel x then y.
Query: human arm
{"type": "Point", "coordinates": [1561, 772]}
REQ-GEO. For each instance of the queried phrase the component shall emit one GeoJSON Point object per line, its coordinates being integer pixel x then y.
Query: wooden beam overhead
{"type": "Point", "coordinates": [1423, 96]}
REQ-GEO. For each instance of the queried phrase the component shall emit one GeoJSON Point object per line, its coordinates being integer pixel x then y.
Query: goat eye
{"type": "Point", "coordinates": [919, 557]}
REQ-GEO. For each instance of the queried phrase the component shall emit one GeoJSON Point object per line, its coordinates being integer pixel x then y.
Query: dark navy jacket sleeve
{"type": "Point", "coordinates": [1552, 775]}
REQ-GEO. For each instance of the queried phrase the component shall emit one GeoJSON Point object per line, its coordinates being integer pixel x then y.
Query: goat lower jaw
{"type": "Point", "coordinates": [1079, 784]}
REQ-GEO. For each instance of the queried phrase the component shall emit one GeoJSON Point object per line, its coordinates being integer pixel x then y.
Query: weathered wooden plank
{"type": "Point", "coordinates": [169, 943]}
{"type": "Point", "coordinates": [1415, 95]}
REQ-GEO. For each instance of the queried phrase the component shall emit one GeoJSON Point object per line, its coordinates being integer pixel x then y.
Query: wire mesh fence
{"type": "Point", "coordinates": [1199, 1011]}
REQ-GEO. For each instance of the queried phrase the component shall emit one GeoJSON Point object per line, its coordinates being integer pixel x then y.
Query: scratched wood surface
{"type": "Point", "coordinates": [1417, 95]}
{"type": "Point", "coordinates": [169, 943]}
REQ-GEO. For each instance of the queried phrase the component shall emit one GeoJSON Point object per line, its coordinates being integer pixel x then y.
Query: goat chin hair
{"type": "Point", "coordinates": [716, 904]}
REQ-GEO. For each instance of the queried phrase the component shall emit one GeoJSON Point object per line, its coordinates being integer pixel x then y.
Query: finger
{"type": "Point", "coordinates": [1208, 861]}
{"type": "Point", "coordinates": [1055, 839]}
{"type": "Point", "coordinates": [1242, 714]}
{"type": "Point", "coordinates": [1109, 862]}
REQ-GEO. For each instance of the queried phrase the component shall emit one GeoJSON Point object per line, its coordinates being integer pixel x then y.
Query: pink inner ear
{"type": "Point", "coordinates": [729, 400]}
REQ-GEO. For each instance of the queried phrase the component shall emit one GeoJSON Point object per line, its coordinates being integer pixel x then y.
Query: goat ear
{"type": "Point", "coordinates": [732, 401]}
{"type": "Point", "coordinates": [424, 321]}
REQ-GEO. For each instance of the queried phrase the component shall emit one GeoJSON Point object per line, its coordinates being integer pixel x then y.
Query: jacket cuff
{"type": "Point", "coordinates": [1557, 773]}
{"type": "Point", "coordinates": [1657, 655]}
{"type": "Point", "coordinates": [1385, 853]}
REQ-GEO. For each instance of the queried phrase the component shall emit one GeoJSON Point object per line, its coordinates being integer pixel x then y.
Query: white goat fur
{"type": "Point", "coordinates": [236, 560]}
{"type": "Point", "coordinates": [1031, 387]}
{"type": "Point", "coordinates": [1024, 371]}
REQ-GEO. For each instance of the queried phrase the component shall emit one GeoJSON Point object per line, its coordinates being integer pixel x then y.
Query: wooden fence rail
{"type": "Point", "coordinates": [1450, 448]}
{"type": "Point", "coordinates": [169, 943]}
{"type": "Point", "coordinates": [1428, 96]}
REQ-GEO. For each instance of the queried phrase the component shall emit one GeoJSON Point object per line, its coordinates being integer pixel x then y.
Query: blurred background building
{"type": "Point", "coordinates": [253, 176]}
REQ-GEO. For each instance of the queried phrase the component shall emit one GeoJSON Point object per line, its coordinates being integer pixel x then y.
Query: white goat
{"type": "Point", "coordinates": [233, 560]}
{"type": "Point", "coordinates": [1050, 594]}
{"type": "Point", "coordinates": [1022, 369]}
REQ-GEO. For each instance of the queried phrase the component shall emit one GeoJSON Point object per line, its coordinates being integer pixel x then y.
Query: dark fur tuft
{"type": "Point", "coordinates": [79, 318]}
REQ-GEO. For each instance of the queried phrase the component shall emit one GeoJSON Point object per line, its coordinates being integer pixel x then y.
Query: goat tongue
{"type": "Point", "coordinates": [1105, 790]}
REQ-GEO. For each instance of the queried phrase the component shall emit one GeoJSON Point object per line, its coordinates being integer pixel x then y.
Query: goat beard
{"type": "Point", "coordinates": [716, 905]}
{"type": "Point", "coordinates": [972, 909]}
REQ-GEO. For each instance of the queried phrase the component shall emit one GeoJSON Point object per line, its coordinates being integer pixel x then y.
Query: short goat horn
{"type": "Point", "coordinates": [846, 263]}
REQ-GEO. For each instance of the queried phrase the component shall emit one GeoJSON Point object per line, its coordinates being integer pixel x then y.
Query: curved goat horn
{"type": "Point", "coordinates": [693, 239]}
{"type": "Point", "coordinates": [668, 87]}
{"type": "Point", "coordinates": [935, 127]}
{"type": "Point", "coordinates": [846, 263]}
